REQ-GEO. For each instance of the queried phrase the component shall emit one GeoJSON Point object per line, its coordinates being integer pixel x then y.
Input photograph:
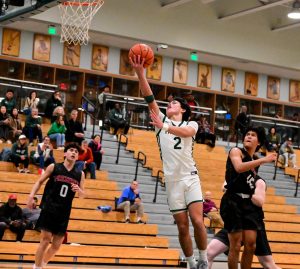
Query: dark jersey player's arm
{"type": "Point", "coordinates": [39, 183]}
{"type": "Point", "coordinates": [240, 166]}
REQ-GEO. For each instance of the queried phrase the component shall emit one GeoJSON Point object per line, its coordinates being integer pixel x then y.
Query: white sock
{"type": "Point", "coordinates": [192, 262]}
{"type": "Point", "coordinates": [37, 267]}
{"type": "Point", "coordinates": [203, 255]}
{"type": "Point", "coordinates": [44, 264]}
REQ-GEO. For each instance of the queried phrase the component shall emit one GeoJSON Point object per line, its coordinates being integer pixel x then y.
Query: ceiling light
{"type": "Point", "coordinates": [219, 111]}
{"type": "Point", "coordinates": [295, 12]}
{"type": "Point", "coordinates": [162, 46]}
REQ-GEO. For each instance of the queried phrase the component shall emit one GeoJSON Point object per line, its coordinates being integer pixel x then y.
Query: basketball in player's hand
{"type": "Point", "coordinates": [144, 51]}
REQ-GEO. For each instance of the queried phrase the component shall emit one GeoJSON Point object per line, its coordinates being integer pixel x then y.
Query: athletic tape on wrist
{"type": "Point", "coordinates": [149, 99]}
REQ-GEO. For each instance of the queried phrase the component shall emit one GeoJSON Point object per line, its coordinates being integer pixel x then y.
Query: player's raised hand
{"type": "Point", "coordinates": [271, 157]}
{"type": "Point", "coordinates": [137, 64]}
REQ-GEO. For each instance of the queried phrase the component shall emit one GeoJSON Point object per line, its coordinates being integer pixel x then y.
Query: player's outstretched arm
{"type": "Point", "coordinates": [240, 166]}
{"type": "Point", "coordinates": [38, 184]}
{"type": "Point", "coordinates": [138, 65]}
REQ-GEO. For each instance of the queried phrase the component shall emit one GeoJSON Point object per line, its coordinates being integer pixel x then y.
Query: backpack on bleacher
{"type": "Point", "coordinates": [5, 155]}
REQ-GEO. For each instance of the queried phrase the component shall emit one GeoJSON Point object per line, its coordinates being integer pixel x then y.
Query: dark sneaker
{"type": "Point", "coordinates": [202, 264]}
{"type": "Point", "coordinates": [127, 221]}
{"type": "Point", "coordinates": [140, 222]}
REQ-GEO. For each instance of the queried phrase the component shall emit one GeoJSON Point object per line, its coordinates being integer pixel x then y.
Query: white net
{"type": "Point", "coordinates": [76, 17]}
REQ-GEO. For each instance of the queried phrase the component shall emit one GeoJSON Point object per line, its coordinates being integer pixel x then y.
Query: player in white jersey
{"type": "Point", "coordinates": [175, 136]}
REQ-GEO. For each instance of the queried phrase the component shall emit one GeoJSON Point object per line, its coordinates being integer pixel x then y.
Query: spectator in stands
{"type": "Point", "coordinates": [4, 125]}
{"type": "Point", "coordinates": [287, 153]}
{"type": "Point", "coordinates": [130, 200]}
{"type": "Point", "coordinates": [211, 211]}
{"type": "Point", "coordinates": [52, 103]}
{"type": "Point", "coordinates": [31, 101]}
{"type": "Point", "coordinates": [273, 140]}
{"type": "Point", "coordinates": [11, 217]}
{"type": "Point", "coordinates": [58, 111]}
{"type": "Point", "coordinates": [241, 121]}
{"type": "Point", "coordinates": [19, 154]}
{"type": "Point", "coordinates": [33, 125]}
{"type": "Point", "coordinates": [96, 147]}
{"type": "Point", "coordinates": [104, 90]}
{"type": "Point", "coordinates": [31, 216]}
{"type": "Point", "coordinates": [15, 125]}
{"type": "Point", "coordinates": [85, 160]}
{"type": "Point", "coordinates": [204, 132]}
{"type": "Point", "coordinates": [190, 98]}
{"type": "Point", "coordinates": [117, 119]}
{"type": "Point", "coordinates": [57, 132]}
{"type": "Point", "coordinates": [74, 132]}
{"type": "Point", "coordinates": [9, 101]}
{"type": "Point", "coordinates": [45, 154]}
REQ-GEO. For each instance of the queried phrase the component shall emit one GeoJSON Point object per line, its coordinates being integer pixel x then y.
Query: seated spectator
{"type": "Point", "coordinates": [58, 111]}
{"type": "Point", "coordinates": [57, 132]}
{"type": "Point", "coordinates": [4, 125]}
{"type": "Point", "coordinates": [273, 140]}
{"type": "Point", "coordinates": [74, 131]}
{"type": "Point", "coordinates": [117, 120]}
{"type": "Point", "coordinates": [33, 125]}
{"type": "Point", "coordinates": [15, 125]}
{"type": "Point", "coordinates": [130, 200]}
{"type": "Point", "coordinates": [211, 211]}
{"type": "Point", "coordinates": [85, 160]}
{"type": "Point", "coordinates": [52, 103]}
{"type": "Point", "coordinates": [31, 102]}
{"type": "Point", "coordinates": [9, 101]}
{"type": "Point", "coordinates": [44, 154]}
{"type": "Point", "coordinates": [19, 154]}
{"type": "Point", "coordinates": [96, 147]}
{"type": "Point", "coordinates": [286, 153]}
{"type": "Point", "coordinates": [204, 132]}
{"type": "Point", "coordinates": [11, 217]}
{"type": "Point", "coordinates": [30, 216]}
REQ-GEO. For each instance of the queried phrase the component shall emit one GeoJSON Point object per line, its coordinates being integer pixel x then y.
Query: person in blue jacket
{"type": "Point", "coordinates": [130, 200]}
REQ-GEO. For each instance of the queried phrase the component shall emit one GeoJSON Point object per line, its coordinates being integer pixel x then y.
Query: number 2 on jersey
{"type": "Point", "coordinates": [64, 190]}
{"type": "Point", "coordinates": [177, 145]}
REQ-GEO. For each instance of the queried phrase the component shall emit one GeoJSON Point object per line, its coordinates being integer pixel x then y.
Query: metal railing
{"type": "Point", "coordinates": [297, 183]}
{"type": "Point", "coordinates": [119, 145]}
{"type": "Point", "coordinates": [285, 128]}
{"type": "Point", "coordinates": [85, 102]}
{"type": "Point", "coordinates": [141, 161]}
{"type": "Point", "coordinates": [159, 172]}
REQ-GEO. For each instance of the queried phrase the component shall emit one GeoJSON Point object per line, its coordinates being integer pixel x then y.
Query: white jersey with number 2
{"type": "Point", "coordinates": [176, 152]}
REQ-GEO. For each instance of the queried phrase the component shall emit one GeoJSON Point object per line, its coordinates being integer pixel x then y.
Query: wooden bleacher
{"type": "Point", "coordinates": [282, 221]}
{"type": "Point", "coordinates": [93, 236]}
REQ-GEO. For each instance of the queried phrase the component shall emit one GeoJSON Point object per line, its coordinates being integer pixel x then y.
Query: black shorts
{"type": "Point", "coordinates": [56, 223]}
{"type": "Point", "coordinates": [262, 244]}
{"type": "Point", "coordinates": [240, 214]}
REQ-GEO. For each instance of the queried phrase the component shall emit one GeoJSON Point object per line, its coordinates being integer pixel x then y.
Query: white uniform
{"type": "Point", "coordinates": [181, 175]}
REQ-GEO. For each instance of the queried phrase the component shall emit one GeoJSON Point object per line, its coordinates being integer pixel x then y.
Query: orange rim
{"type": "Point", "coordinates": [85, 4]}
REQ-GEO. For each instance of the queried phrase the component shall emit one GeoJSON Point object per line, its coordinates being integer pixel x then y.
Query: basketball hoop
{"type": "Point", "coordinates": [76, 17]}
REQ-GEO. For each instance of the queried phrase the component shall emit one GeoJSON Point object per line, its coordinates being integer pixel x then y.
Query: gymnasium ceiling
{"type": "Point", "coordinates": [250, 35]}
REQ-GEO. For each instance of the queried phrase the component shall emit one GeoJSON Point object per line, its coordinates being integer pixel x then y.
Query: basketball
{"type": "Point", "coordinates": [144, 51]}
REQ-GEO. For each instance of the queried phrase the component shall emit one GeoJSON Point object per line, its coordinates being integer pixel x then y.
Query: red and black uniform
{"type": "Point", "coordinates": [236, 209]}
{"type": "Point", "coordinates": [57, 199]}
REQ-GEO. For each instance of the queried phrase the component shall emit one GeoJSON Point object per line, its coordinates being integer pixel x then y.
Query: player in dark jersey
{"type": "Point", "coordinates": [241, 217]}
{"type": "Point", "coordinates": [64, 181]}
{"type": "Point", "coordinates": [220, 242]}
